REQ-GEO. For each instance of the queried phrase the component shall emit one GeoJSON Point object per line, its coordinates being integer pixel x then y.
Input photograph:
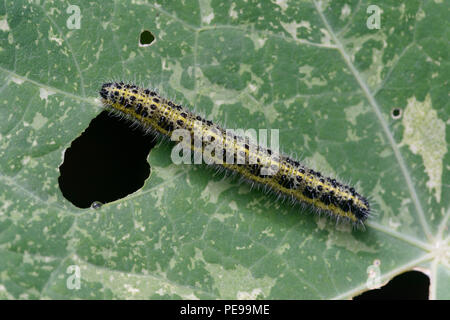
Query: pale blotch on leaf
{"type": "Point", "coordinates": [292, 27]}
{"type": "Point", "coordinates": [343, 237]}
{"type": "Point", "coordinates": [345, 11]}
{"type": "Point", "coordinates": [17, 80]}
{"type": "Point", "coordinates": [38, 121]}
{"type": "Point", "coordinates": [45, 93]}
{"type": "Point", "coordinates": [352, 112]}
{"type": "Point", "coordinates": [318, 161]}
{"type": "Point", "coordinates": [425, 135]}
{"type": "Point", "coordinates": [4, 26]}
{"type": "Point", "coordinates": [213, 190]}
{"type": "Point", "coordinates": [237, 283]}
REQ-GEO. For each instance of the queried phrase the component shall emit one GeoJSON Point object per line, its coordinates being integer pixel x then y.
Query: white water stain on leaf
{"type": "Point", "coordinates": [425, 135]}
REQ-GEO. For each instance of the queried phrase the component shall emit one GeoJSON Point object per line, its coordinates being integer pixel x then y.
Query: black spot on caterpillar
{"type": "Point", "coordinates": [291, 179]}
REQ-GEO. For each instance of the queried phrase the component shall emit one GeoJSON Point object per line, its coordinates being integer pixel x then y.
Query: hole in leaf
{"type": "Point", "coordinates": [106, 163]}
{"type": "Point", "coordinates": [396, 113]}
{"type": "Point", "coordinates": [412, 285]}
{"type": "Point", "coordinates": [146, 38]}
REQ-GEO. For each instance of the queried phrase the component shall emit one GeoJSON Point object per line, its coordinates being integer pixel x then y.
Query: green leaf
{"type": "Point", "coordinates": [313, 70]}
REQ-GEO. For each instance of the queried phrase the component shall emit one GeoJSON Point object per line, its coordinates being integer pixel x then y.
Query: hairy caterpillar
{"type": "Point", "coordinates": [288, 177]}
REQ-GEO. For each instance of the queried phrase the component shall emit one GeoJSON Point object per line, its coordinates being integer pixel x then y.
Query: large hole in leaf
{"type": "Point", "coordinates": [106, 163]}
{"type": "Point", "coordinates": [412, 285]}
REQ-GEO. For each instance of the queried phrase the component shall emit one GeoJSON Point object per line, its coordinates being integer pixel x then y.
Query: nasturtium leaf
{"type": "Point", "coordinates": [322, 72]}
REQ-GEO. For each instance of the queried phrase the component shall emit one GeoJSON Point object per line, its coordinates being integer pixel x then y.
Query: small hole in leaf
{"type": "Point", "coordinates": [146, 38]}
{"type": "Point", "coordinates": [412, 285]}
{"type": "Point", "coordinates": [106, 163]}
{"type": "Point", "coordinates": [396, 113]}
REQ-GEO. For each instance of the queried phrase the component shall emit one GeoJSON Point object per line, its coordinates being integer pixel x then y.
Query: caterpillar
{"type": "Point", "coordinates": [275, 171]}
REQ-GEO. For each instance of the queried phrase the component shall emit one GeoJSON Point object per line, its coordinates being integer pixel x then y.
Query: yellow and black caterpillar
{"type": "Point", "coordinates": [290, 178]}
